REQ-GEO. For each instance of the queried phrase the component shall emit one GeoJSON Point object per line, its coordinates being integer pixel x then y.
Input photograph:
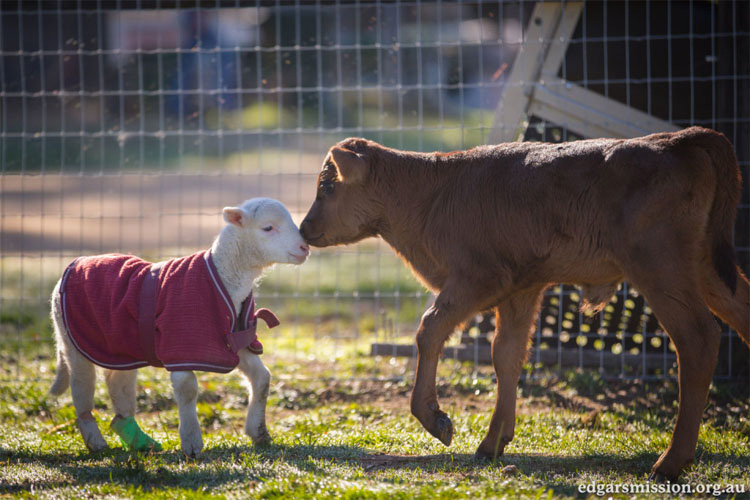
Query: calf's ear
{"type": "Point", "coordinates": [235, 215]}
{"type": "Point", "coordinates": [350, 166]}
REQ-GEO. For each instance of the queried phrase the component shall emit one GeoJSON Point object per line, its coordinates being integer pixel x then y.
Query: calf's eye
{"type": "Point", "coordinates": [268, 228]}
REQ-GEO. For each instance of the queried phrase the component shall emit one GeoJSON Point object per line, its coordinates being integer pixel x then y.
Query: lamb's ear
{"type": "Point", "coordinates": [235, 215]}
{"type": "Point", "coordinates": [351, 166]}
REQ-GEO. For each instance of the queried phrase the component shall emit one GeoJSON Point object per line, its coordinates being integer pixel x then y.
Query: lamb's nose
{"type": "Point", "coordinates": [305, 248]}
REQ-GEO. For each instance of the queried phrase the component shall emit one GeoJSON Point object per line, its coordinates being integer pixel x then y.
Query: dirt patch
{"type": "Point", "coordinates": [132, 212]}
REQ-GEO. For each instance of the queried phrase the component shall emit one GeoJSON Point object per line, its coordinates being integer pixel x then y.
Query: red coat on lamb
{"type": "Point", "coordinates": [122, 313]}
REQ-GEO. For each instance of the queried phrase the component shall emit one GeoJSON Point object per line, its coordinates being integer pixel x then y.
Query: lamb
{"type": "Point", "coordinates": [122, 313]}
{"type": "Point", "coordinates": [493, 227]}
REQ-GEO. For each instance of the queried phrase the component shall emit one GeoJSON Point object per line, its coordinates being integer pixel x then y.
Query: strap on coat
{"type": "Point", "coordinates": [147, 314]}
{"type": "Point", "coordinates": [247, 337]}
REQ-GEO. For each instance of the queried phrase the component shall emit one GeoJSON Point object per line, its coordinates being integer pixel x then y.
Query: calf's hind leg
{"type": "Point", "coordinates": [679, 307]}
{"type": "Point", "coordinates": [733, 308]}
{"type": "Point", "coordinates": [515, 317]}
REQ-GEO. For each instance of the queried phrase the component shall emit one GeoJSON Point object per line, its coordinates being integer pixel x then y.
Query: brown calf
{"type": "Point", "coordinates": [492, 227]}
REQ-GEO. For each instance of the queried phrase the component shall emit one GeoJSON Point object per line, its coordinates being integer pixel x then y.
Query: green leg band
{"type": "Point", "coordinates": [132, 437]}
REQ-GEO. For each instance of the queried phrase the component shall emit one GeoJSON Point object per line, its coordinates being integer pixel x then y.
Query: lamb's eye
{"type": "Point", "coordinates": [268, 229]}
{"type": "Point", "coordinates": [326, 187]}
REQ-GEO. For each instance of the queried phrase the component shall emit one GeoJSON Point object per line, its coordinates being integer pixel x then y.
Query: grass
{"type": "Point", "coordinates": [342, 429]}
{"type": "Point", "coordinates": [340, 418]}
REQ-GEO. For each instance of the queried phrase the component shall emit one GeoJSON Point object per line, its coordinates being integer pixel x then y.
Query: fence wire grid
{"type": "Point", "coordinates": [127, 126]}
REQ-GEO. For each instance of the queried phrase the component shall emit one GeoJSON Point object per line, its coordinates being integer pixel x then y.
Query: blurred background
{"type": "Point", "coordinates": [126, 127]}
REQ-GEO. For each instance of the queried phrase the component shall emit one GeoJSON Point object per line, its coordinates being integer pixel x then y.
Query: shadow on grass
{"type": "Point", "coordinates": [216, 466]}
{"type": "Point", "coordinates": [227, 464]}
{"type": "Point", "coordinates": [538, 465]}
{"type": "Point", "coordinates": [587, 390]}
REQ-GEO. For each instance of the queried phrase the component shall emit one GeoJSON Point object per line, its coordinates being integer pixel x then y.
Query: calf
{"type": "Point", "coordinates": [192, 313]}
{"type": "Point", "coordinates": [494, 226]}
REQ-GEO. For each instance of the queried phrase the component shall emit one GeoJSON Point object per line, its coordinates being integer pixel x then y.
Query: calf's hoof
{"type": "Point", "coordinates": [482, 455]}
{"type": "Point", "coordinates": [668, 470]}
{"type": "Point", "coordinates": [442, 428]}
{"type": "Point", "coordinates": [662, 474]}
{"type": "Point", "coordinates": [656, 477]}
{"type": "Point", "coordinates": [491, 450]}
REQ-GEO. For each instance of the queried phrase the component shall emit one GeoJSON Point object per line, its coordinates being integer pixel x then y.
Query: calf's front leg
{"type": "Point", "coordinates": [185, 386]}
{"type": "Point", "coordinates": [451, 306]}
{"type": "Point", "coordinates": [260, 380]}
{"type": "Point", "coordinates": [515, 319]}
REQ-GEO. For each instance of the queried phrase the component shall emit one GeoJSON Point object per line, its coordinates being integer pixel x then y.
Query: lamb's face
{"type": "Point", "coordinates": [268, 232]}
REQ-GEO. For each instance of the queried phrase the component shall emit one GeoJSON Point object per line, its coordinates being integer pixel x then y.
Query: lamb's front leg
{"type": "Point", "coordinates": [260, 379]}
{"type": "Point", "coordinates": [185, 386]}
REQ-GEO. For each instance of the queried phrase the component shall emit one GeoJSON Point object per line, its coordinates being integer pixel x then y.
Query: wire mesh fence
{"type": "Point", "coordinates": [127, 126]}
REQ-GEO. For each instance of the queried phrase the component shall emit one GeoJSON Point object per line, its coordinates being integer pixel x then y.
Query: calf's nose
{"type": "Point", "coordinates": [303, 227]}
{"type": "Point", "coordinates": [305, 248]}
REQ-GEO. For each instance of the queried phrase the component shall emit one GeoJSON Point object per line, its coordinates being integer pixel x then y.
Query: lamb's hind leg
{"type": "Point", "coordinates": [122, 387]}
{"type": "Point", "coordinates": [82, 379]}
{"type": "Point", "coordinates": [516, 317]}
{"type": "Point", "coordinates": [82, 385]}
{"type": "Point", "coordinates": [259, 378]}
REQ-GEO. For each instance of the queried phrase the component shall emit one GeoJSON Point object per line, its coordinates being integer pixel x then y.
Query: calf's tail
{"type": "Point", "coordinates": [726, 198]}
{"type": "Point", "coordinates": [724, 209]}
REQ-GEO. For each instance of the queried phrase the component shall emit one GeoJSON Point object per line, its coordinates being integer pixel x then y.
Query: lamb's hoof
{"type": "Point", "coordinates": [262, 438]}
{"type": "Point", "coordinates": [91, 436]}
{"type": "Point", "coordinates": [263, 441]}
{"type": "Point", "coordinates": [132, 436]}
{"type": "Point", "coordinates": [96, 444]}
{"type": "Point", "coordinates": [192, 447]}
{"type": "Point", "coordinates": [443, 429]}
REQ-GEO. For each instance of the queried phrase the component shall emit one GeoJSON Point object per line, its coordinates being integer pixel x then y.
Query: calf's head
{"type": "Point", "coordinates": [345, 209]}
{"type": "Point", "coordinates": [264, 232]}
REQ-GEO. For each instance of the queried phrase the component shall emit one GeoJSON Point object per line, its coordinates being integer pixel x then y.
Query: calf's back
{"type": "Point", "coordinates": [522, 213]}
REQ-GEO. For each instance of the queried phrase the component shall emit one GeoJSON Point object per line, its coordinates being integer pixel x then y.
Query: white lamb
{"type": "Point", "coordinates": [122, 313]}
